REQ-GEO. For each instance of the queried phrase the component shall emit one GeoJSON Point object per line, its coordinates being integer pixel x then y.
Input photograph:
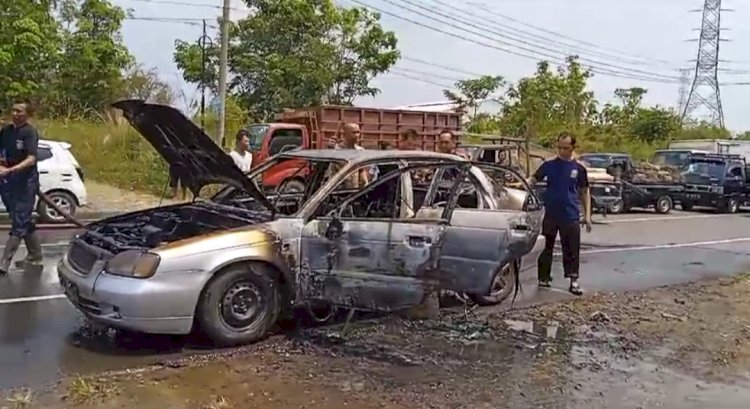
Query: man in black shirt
{"type": "Point", "coordinates": [19, 180]}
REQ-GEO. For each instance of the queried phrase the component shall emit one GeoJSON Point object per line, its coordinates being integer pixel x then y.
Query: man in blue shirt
{"type": "Point", "coordinates": [20, 179]}
{"type": "Point", "coordinates": [567, 187]}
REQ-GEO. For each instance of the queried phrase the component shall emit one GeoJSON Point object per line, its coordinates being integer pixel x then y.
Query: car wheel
{"type": "Point", "coordinates": [687, 206]}
{"type": "Point", "coordinates": [663, 204]}
{"type": "Point", "coordinates": [501, 288]}
{"type": "Point", "coordinates": [240, 305]}
{"type": "Point", "coordinates": [294, 186]}
{"type": "Point", "coordinates": [64, 200]}
{"type": "Point", "coordinates": [731, 206]}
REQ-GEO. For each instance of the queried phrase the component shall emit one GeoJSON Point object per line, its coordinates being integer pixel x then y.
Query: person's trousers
{"type": "Point", "coordinates": [570, 238]}
{"type": "Point", "coordinates": [19, 198]}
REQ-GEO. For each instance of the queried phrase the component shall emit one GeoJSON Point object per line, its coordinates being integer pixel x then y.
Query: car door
{"type": "Point", "coordinates": [370, 263]}
{"type": "Point", "coordinates": [477, 243]}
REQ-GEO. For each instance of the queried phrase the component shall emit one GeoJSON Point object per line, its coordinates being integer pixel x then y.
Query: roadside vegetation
{"type": "Point", "coordinates": [79, 64]}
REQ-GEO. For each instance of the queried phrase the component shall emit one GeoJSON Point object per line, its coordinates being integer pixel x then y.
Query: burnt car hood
{"type": "Point", "coordinates": [196, 159]}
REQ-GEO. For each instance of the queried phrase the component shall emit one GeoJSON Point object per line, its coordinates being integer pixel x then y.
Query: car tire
{"type": "Point", "coordinates": [687, 206]}
{"type": "Point", "coordinates": [294, 186]}
{"type": "Point", "coordinates": [663, 204]}
{"type": "Point", "coordinates": [501, 288]}
{"type": "Point", "coordinates": [62, 199]}
{"type": "Point", "coordinates": [240, 305]}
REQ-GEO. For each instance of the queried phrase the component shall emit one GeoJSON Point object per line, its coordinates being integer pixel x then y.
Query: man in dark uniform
{"type": "Point", "coordinates": [20, 182]}
{"type": "Point", "coordinates": [567, 186]}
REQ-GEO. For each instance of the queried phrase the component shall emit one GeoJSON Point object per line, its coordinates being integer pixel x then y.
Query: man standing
{"type": "Point", "coordinates": [567, 182]}
{"type": "Point", "coordinates": [408, 140]}
{"type": "Point", "coordinates": [349, 141]}
{"type": "Point", "coordinates": [20, 179]}
{"type": "Point", "coordinates": [446, 143]}
{"type": "Point", "coordinates": [241, 155]}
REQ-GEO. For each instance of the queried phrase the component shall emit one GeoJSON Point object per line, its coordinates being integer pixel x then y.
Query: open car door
{"type": "Point", "coordinates": [479, 241]}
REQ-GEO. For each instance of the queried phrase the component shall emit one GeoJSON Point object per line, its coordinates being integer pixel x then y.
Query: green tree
{"type": "Point", "coordinates": [29, 43]}
{"type": "Point", "coordinates": [294, 53]}
{"type": "Point", "coordinates": [93, 59]}
{"type": "Point", "coordinates": [472, 92]}
{"type": "Point", "coordinates": [141, 83]}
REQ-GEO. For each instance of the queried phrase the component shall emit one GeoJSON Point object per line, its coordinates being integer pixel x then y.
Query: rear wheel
{"type": "Point", "coordinates": [240, 305]}
{"type": "Point", "coordinates": [663, 204]}
{"type": "Point", "coordinates": [616, 207]}
{"type": "Point", "coordinates": [64, 200]}
{"type": "Point", "coordinates": [502, 286]}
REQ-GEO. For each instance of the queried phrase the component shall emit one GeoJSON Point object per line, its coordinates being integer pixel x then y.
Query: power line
{"type": "Point", "coordinates": [430, 74]}
{"type": "Point", "coordinates": [397, 72]}
{"type": "Point", "coordinates": [504, 50]}
{"type": "Point", "coordinates": [185, 3]}
{"type": "Point", "coordinates": [571, 39]}
{"type": "Point", "coordinates": [445, 67]}
{"type": "Point", "coordinates": [186, 21]}
{"type": "Point", "coordinates": [503, 38]}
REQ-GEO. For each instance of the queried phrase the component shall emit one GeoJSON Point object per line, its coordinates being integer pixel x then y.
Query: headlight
{"type": "Point", "coordinates": [133, 263]}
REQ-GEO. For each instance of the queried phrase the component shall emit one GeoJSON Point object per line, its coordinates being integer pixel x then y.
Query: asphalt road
{"type": "Point", "coordinates": [42, 336]}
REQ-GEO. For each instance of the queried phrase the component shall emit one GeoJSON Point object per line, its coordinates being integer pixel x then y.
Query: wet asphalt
{"type": "Point", "coordinates": [42, 336]}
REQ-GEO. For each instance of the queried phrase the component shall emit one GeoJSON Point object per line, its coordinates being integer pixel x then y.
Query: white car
{"type": "Point", "coordinates": [60, 178]}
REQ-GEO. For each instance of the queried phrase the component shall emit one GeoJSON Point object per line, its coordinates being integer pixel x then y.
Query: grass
{"type": "Point", "coordinates": [20, 399]}
{"type": "Point", "coordinates": [85, 390]}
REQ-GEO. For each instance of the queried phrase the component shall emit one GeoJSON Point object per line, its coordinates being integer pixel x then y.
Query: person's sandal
{"type": "Point", "coordinates": [575, 289]}
{"type": "Point", "coordinates": [545, 283]}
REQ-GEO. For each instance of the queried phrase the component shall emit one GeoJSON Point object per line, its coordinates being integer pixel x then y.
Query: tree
{"type": "Point", "coordinates": [141, 83]}
{"type": "Point", "coordinates": [93, 58]}
{"type": "Point", "coordinates": [472, 92]}
{"type": "Point", "coordinates": [295, 53]}
{"type": "Point", "coordinates": [29, 42]}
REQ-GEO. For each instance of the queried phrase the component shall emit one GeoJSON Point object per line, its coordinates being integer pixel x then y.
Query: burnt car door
{"type": "Point", "coordinates": [479, 241]}
{"type": "Point", "coordinates": [369, 252]}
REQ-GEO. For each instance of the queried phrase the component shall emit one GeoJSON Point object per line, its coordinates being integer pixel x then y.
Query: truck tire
{"type": "Point", "coordinates": [687, 205]}
{"type": "Point", "coordinates": [293, 186]}
{"type": "Point", "coordinates": [616, 207]}
{"type": "Point", "coordinates": [663, 204]}
{"type": "Point", "coordinates": [239, 305]}
{"type": "Point", "coordinates": [730, 206]}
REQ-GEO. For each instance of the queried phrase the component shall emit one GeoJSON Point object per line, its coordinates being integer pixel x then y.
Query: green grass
{"type": "Point", "coordinates": [110, 153]}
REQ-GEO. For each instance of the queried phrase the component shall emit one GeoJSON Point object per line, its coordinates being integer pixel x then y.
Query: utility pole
{"type": "Point", "coordinates": [204, 42]}
{"type": "Point", "coordinates": [223, 69]}
{"type": "Point", "coordinates": [704, 99]}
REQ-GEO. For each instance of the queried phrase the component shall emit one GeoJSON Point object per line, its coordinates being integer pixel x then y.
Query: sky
{"type": "Point", "coordinates": [645, 39]}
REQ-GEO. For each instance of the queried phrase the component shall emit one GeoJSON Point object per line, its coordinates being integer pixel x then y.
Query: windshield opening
{"type": "Point", "coordinates": [712, 169]}
{"type": "Point", "coordinates": [595, 161]}
{"type": "Point", "coordinates": [257, 132]}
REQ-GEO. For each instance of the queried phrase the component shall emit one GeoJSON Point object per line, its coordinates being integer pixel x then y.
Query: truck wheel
{"type": "Point", "coordinates": [240, 305]}
{"type": "Point", "coordinates": [294, 186]}
{"type": "Point", "coordinates": [616, 207]}
{"type": "Point", "coordinates": [687, 206]}
{"type": "Point", "coordinates": [731, 205]}
{"type": "Point", "coordinates": [502, 286]}
{"type": "Point", "coordinates": [663, 204]}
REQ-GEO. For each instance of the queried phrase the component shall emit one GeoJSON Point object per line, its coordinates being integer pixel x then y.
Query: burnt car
{"type": "Point", "coordinates": [230, 266]}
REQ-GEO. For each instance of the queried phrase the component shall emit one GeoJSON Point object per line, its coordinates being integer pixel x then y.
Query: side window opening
{"type": "Point", "coordinates": [735, 171]}
{"type": "Point", "coordinates": [284, 138]}
{"type": "Point", "coordinates": [43, 153]}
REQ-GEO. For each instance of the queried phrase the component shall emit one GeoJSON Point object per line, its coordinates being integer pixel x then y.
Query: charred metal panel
{"type": "Point", "coordinates": [367, 264]}
{"type": "Point", "coordinates": [478, 242]}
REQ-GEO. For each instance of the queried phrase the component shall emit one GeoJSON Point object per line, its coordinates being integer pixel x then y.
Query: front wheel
{"type": "Point", "coordinates": [663, 204]}
{"type": "Point", "coordinates": [240, 305]}
{"type": "Point", "coordinates": [731, 205]}
{"type": "Point", "coordinates": [502, 286]}
{"type": "Point", "coordinates": [616, 207]}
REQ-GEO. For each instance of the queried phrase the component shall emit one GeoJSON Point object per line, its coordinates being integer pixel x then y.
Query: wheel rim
{"type": "Point", "coordinates": [616, 206]}
{"type": "Point", "coordinates": [732, 205]}
{"type": "Point", "coordinates": [61, 202]}
{"type": "Point", "coordinates": [664, 206]}
{"type": "Point", "coordinates": [499, 283]}
{"type": "Point", "coordinates": [241, 305]}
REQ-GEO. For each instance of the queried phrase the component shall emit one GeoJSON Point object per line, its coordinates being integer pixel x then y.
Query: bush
{"type": "Point", "coordinates": [110, 153]}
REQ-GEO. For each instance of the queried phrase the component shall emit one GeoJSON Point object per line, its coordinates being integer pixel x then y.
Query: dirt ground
{"type": "Point", "coordinates": [672, 347]}
{"type": "Point", "coordinates": [105, 198]}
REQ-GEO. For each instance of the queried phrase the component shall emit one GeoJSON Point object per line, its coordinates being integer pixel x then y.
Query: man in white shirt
{"type": "Point", "coordinates": [241, 155]}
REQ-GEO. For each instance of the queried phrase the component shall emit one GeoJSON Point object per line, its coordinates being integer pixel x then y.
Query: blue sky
{"type": "Point", "coordinates": [631, 37]}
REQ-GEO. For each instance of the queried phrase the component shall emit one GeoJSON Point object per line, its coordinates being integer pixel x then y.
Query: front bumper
{"type": "Point", "coordinates": [149, 306]}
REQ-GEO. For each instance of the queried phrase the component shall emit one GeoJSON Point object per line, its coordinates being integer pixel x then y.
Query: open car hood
{"type": "Point", "coordinates": [197, 160]}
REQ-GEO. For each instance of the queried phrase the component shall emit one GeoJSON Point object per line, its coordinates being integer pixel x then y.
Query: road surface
{"type": "Point", "coordinates": [41, 335]}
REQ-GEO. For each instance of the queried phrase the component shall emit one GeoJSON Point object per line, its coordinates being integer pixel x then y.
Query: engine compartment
{"type": "Point", "coordinates": [153, 227]}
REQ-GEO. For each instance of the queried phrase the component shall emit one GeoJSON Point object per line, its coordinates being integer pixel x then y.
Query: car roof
{"type": "Point", "coordinates": [364, 155]}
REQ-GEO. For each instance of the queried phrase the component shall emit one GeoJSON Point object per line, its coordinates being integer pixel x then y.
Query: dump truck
{"type": "Point", "coordinates": [318, 127]}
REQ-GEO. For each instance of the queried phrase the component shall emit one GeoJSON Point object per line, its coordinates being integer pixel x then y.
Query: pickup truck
{"type": "Point", "coordinates": [717, 180]}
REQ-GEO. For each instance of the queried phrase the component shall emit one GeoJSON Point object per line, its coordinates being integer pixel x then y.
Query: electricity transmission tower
{"type": "Point", "coordinates": [684, 86]}
{"type": "Point", "coordinates": [704, 98]}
